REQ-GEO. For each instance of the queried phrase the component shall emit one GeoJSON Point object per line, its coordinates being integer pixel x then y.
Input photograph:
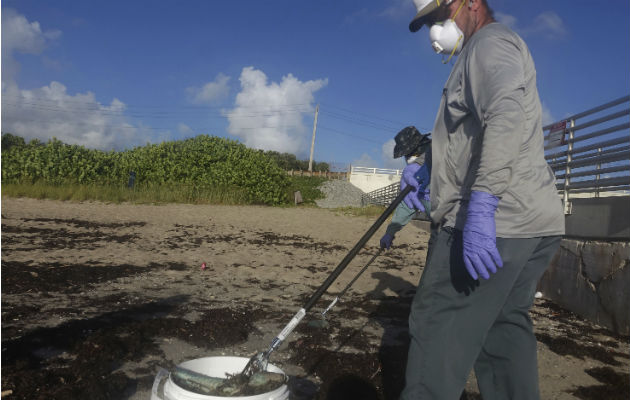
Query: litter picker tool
{"type": "Point", "coordinates": [340, 295]}
{"type": "Point", "coordinates": [259, 361]}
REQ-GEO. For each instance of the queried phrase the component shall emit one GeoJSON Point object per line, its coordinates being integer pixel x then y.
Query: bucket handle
{"type": "Point", "coordinates": [161, 375]}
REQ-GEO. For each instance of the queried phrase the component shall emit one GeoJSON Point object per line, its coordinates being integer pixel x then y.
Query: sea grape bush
{"type": "Point", "coordinates": [288, 161]}
{"type": "Point", "coordinates": [202, 161]}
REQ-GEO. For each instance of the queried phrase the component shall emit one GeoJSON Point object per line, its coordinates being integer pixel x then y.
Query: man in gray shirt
{"type": "Point", "coordinates": [500, 217]}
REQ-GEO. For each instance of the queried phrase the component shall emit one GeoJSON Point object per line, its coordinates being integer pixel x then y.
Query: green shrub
{"type": "Point", "coordinates": [308, 188]}
{"type": "Point", "coordinates": [203, 162]}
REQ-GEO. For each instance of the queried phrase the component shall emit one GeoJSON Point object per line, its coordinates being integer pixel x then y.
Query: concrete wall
{"type": "Point", "coordinates": [590, 274]}
{"type": "Point", "coordinates": [605, 218]}
{"type": "Point", "coordinates": [369, 181]}
{"type": "Point", "coordinates": [592, 279]}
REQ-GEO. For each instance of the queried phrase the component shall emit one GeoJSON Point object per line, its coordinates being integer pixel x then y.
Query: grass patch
{"type": "Point", "coordinates": [160, 194]}
{"type": "Point", "coordinates": [142, 194]}
{"type": "Point", "coordinates": [368, 211]}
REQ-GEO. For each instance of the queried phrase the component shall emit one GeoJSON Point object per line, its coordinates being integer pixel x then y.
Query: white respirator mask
{"type": "Point", "coordinates": [411, 159]}
{"type": "Point", "coordinates": [446, 37]}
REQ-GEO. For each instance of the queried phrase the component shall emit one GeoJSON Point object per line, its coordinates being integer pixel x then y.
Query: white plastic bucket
{"type": "Point", "coordinates": [216, 367]}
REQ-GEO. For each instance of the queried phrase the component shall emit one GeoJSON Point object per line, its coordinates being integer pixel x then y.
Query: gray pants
{"type": "Point", "coordinates": [457, 323]}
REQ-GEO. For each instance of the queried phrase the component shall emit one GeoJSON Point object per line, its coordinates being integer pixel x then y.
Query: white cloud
{"type": "Point", "coordinates": [359, 16]}
{"type": "Point", "coordinates": [270, 116]}
{"type": "Point", "coordinates": [212, 92]}
{"type": "Point", "coordinates": [50, 111]}
{"type": "Point", "coordinates": [506, 19]}
{"type": "Point", "coordinates": [365, 161]}
{"type": "Point", "coordinates": [399, 9]}
{"type": "Point", "coordinates": [184, 129]}
{"type": "Point", "coordinates": [547, 24]}
{"type": "Point", "coordinates": [550, 25]}
{"type": "Point", "coordinates": [20, 35]}
{"type": "Point", "coordinates": [387, 155]}
{"type": "Point", "coordinates": [547, 117]}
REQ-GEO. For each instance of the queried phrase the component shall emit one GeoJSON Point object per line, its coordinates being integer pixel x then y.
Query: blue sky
{"type": "Point", "coordinates": [117, 74]}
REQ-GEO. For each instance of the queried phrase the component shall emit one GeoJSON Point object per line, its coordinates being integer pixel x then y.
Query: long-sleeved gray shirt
{"type": "Point", "coordinates": [488, 137]}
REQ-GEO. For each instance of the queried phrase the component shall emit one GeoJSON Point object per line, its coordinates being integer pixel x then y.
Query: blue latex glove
{"type": "Point", "coordinates": [480, 236]}
{"type": "Point", "coordinates": [416, 176]}
{"type": "Point", "coordinates": [386, 241]}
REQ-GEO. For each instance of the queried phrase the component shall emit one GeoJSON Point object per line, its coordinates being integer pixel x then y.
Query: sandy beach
{"type": "Point", "coordinates": [97, 297]}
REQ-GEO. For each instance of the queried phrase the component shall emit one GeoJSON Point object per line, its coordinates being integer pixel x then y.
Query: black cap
{"type": "Point", "coordinates": [410, 141]}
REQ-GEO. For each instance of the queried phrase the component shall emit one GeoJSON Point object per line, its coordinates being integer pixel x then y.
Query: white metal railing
{"type": "Point", "coordinates": [589, 152]}
{"type": "Point", "coordinates": [381, 171]}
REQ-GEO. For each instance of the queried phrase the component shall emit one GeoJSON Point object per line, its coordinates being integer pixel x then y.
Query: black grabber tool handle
{"type": "Point", "coordinates": [259, 361]}
{"type": "Point", "coordinates": [340, 295]}
{"type": "Point", "coordinates": [342, 265]}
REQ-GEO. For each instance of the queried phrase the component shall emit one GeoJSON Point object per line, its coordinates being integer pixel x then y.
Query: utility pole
{"type": "Point", "coordinates": [310, 161]}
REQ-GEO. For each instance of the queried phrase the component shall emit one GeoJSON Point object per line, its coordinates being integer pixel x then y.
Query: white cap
{"type": "Point", "coordinates": [424, 8]}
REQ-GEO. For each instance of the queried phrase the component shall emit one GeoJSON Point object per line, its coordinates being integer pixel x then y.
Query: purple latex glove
{"type": "Point", "coordinates": [416, 176]}
{"type": "Point", "coordinates": [412, 200]}
{"type": "Point", "coordinates": [426, 195]}
{"type": "Point", "coordinates": [480, 237]}
{"type": "Point", "coordinates": [386, 241]}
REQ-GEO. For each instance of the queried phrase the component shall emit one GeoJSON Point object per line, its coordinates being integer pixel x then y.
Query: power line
{"type": "Point", "coordinates": [192, 107]}
{"type": "Point", "coordinates": [319, 126]}
{"type": "Point", "coordinates": [172, 113]}
{"type": "Point", "coordinates": [358, 121]}
{"type": "Point", "coordinates": [193, 129]}
{"type": "Point", "coordinates": [46, 104]}
{"type": "Point", "coordinates": [155, 114]}
{"type": "Point", "coordinates": [397, 123]}
{"type": "Point", "coordinates": [277, 108]}
{"type": "Point", "coordinates": [104, 126]}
